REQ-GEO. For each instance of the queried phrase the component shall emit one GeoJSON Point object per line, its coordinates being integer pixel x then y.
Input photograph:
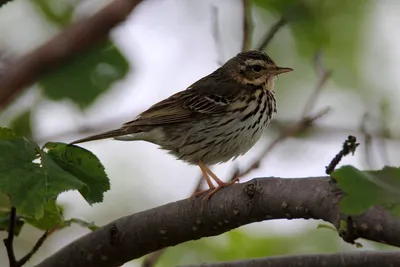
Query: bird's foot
{"type": "Point", "coordinates": [211, 191]}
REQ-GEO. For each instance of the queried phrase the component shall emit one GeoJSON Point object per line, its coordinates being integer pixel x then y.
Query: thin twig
{"type": "Point", "coordinates": [349, 147]}
{"type": "Point", "coordinates": [35, 248]}
{"type": "Point", "coordinates": [367, 140]}
{"type": "Point", "coordinates": [247, 25]}
{"type": "Point", "coordinates": [76, 39]}
{"type": "Point", "coordinates": [9, 241]}
{"type": "Point", "coordinates": [271, 33]}
{"type": "Point", "coordinates": [295, 129]}
{"type": "Point", "coordinates": [384, 129]}
{"type": "Point", "coordinates": [348, 233]}
{"type": "Point", "coordinates": [323, 75]}
{"type": "Point", "coordinates": [216, 34]}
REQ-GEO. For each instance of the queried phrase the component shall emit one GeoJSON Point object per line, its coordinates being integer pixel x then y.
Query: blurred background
{"type": "Point", "coordinates": [165, 46]}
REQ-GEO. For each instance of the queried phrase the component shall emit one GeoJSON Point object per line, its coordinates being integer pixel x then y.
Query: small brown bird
{"type": "Point", "coordinates": [219, 117]}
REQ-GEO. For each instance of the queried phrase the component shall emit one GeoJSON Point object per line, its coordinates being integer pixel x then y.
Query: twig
{"type": "Point", "coordinates": [247, 25]}
{"type": "Point", "coordinates": [348, 233]}
{"type": "Point", "coordinates": [323, 75]}
{"type": "Point", "coordinates": [8, 242]}
{"type": "Point", "coordinates": [367, 140]}
{"type": "Point", "coordinates": [302, 124]}
{"type": "Point", "coordinates": [349, 146]}
{"type": "Point", "coordinates": [271, 33]}
{"type": "Point", "coordinates": [77, 38]}
{"type": "Point", "coordinates": [384, 129]}
{"type": "Point", "coordinates": [35, 248]}
{"type": "Point", "coordinates": [217, 35]}
{"type": "Point", "coordinates": [295, 129]}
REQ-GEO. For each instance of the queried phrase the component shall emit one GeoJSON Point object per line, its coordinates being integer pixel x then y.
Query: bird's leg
{"type": "Point", "coordinates": [208, 180]}
{"type": "Point", "coordinates": [220, 183]}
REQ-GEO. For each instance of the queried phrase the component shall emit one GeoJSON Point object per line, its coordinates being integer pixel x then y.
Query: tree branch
{"type": "Point", "coordinates": [354, 259]}
{"type": "Point", "coordinates": [63, 47]}
{"type": "Point", "coordinates": [260, 199]}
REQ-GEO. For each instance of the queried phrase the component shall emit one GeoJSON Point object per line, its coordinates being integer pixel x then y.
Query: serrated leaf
{"type": "Point", "coordinates": [87, 76]}
{"type": "Point", "coordinates": [52, 217]}
{"type": "Point", "coordinates": [366, 189]}
{"type": "Point", "coordinates": [84, 166]}
{"type": "Point", "coordinates": [30, 177]}
{"type": "Point", "coordinates": [22, 177]}
{"type": "Point", "coordinates": [21, 125]}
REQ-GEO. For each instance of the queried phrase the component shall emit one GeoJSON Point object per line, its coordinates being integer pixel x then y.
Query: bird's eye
{"type": "Point", "coordinates": [256, 68]}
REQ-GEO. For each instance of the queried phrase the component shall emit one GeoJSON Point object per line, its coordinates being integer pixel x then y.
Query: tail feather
{"type": "Point", "coordinates": [109, 134]}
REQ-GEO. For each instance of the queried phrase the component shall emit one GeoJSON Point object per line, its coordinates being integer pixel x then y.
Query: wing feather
{"type": "Point", "coordinates": [201, 100]}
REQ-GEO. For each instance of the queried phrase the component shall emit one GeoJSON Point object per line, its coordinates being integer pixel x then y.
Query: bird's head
{"type": "Point", "coordinates": [254, 67]}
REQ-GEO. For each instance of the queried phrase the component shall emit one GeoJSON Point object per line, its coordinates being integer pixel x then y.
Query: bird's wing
{"type": "Point", "coordinates": [192, 104]}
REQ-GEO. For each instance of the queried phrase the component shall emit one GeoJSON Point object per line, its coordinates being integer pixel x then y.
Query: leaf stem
{"type": "Point", "coordinates": [8, 242]}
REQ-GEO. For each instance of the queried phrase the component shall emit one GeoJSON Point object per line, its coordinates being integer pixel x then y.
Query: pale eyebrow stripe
{"type": "Point", "coordinates": [255, 61]}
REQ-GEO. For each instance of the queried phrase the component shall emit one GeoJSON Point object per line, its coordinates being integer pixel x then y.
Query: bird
{"type": "Point", "coordinates": [216, 119]}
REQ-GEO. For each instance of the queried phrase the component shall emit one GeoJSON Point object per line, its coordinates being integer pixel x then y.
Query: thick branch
{"type": "Point", "coordinates": [69, 43]}
{"type": "Point", "coordinates": [354, 259]}
{"type": "Point", "coordinates": [260, 199]}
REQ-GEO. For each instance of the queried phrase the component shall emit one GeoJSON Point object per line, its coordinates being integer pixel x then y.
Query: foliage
{"type": "Point", "coordinates": [84, 78]}
{"type": "Point", "coordinates": [32, 178]}
{"type": "Point", "coordinates": [317, 25]}
{"type": "Point", "coordinates": [364, 189]}
{"type": "Point", "coordinates": [239, 244]}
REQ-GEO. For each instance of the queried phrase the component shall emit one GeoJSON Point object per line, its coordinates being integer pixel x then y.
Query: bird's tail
{"type": "Point", "coordinates": [109, 134]}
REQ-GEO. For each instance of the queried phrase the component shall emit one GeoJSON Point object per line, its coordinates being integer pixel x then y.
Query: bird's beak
{"type": "Point", "coordinates": [279, 70]}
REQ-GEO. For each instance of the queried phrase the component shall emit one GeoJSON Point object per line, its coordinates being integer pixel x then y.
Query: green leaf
{"type": "Point", "coordinates": [84, 166]}
{"type": "Point", "coordinates": [56, 11]}
{"type": "Point", "coordinates": [53, 216]}
{"type": "Point", "coordinates": [87, 76]}
{"type": "Point", "coordinates": [21, 125]}
{"type": "Point", "coordinates": [32, 177]}
{"type": "Point", "coordinates": [366, 189]}
{"type": "Point", "coordinates": [334, 27]}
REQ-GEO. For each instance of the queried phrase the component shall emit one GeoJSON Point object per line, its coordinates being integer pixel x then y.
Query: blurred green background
{"type": "Point", "coordinates": [163, 47]}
